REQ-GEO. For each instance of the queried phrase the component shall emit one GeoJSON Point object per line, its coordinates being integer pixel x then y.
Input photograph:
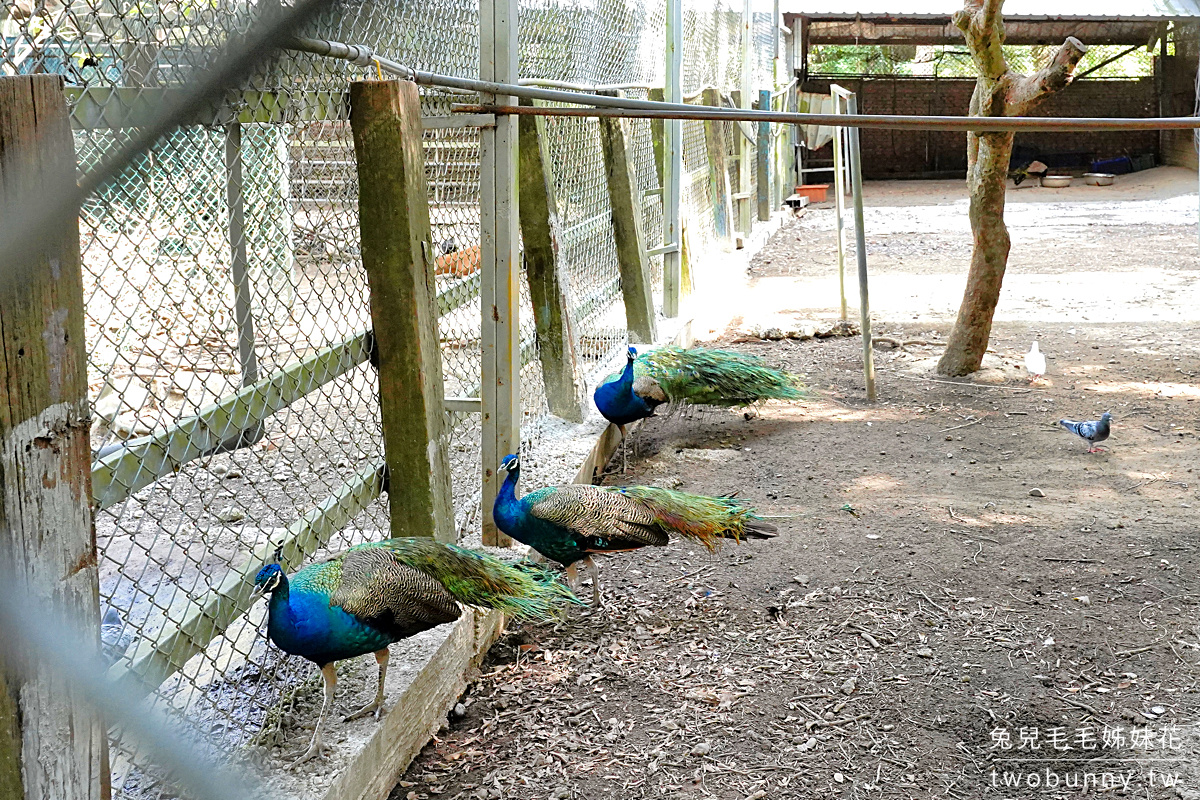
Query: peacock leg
{"type": "Point", "coordinates": [624, 450]}
{"type": "Point", "coordinates": [572, 573]}
{"type": "Point", "coordinates": [375, 706]}
{"type": "Point", "coordinates": [329, 673]}
{"type": "Point", "coordinates": [594, 571]}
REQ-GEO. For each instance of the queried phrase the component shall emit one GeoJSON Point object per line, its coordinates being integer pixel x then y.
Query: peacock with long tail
{"type": "Point", "coordinates": [570, 524]}
{"type": "Point", "coordinates": [361, 600]}
{"type": "Point", "coordinates": [697, 376]}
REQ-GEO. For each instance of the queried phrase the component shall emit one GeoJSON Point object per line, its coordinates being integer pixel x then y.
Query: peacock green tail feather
{"type": "Point", "coordinates": [707, 520]}
{"type": "Point", "coordinates": [478, 579]}
{"type": "Point", "coordinates": [717, 377]}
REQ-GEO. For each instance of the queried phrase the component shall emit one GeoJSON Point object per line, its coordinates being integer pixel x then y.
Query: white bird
{"type": "Point", "coordinates": [1035, 363]}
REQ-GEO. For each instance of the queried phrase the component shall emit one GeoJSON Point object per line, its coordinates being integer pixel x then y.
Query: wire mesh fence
{"type": "Point", "coordinates": [224, 264]}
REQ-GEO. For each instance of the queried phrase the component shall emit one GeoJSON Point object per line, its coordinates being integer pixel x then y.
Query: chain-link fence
{"type": "Point", "coordinates": [227, 306]}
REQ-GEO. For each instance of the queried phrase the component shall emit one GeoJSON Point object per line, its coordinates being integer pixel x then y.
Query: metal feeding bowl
{"type": "Point", "coordinates": [1056, 181]}
{"type": "Point", "coordinates": [1098, 179]}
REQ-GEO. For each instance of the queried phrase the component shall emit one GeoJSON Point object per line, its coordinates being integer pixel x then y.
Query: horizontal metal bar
{"type": "Point", "coordinates": [464, 405]}
{"type": "Point", "coordinates": [459, 121]}
{"type": "Point", "coordinates": [585, 87]}
{"type": "Point", "coordinates": [895, 121]}
{"type": "Point", "coordinates": [784, 90]}
{"type": "Point", "coordinates": [209, 616]}
{"type": "Point", "coordinates": [143, 461]}
{"type": "Point", "coordinates": [666, 248]}
{"type": "Point", "coordinates": [653, 192]}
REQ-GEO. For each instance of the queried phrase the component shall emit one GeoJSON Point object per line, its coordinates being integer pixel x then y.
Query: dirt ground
{"type": "Point", "coordinates": [956, 580]}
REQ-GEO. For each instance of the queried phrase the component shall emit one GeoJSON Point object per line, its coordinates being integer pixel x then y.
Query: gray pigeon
{"type": "Point", "coordinates": [1092, 431]}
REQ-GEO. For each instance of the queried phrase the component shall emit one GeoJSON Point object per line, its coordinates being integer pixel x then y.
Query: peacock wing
{"type": "Point", "coordinates": [377, 588]}
{"type": "Point", "coordinates": [597, 513]}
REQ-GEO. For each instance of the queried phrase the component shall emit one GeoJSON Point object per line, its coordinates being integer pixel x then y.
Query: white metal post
{"type": "Point", "coordinates": [745, 164]}
{"type": "Point", "coordinates": [499, 258]}
{"type": "Point", "coordinates": [839, 196]}
{"type": "Point", "coordinates": [673, 135]}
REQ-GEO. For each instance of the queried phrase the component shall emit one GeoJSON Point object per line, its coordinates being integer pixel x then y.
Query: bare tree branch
{"type": "Point", "coordinates": [1029, 90]}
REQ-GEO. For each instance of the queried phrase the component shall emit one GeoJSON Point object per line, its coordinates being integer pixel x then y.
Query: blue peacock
{"type": "Point", "coordinates": [697, 376]}
{"type": "Point", "coordinates": [569, 524]}
{"type": "Point", "coordinates": [361, 600]}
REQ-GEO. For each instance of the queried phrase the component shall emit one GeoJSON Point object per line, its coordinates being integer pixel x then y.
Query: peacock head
{"type": "Point", "coordinates": [511, 463]}
{"type": "Point", "coordinates": [268, 579]}
{"type": "Point", "coordinates": [631, 354]}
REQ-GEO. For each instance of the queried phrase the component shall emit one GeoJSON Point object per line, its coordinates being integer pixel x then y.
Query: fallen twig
{"type": "Point", "coordinates": [1072, 560]}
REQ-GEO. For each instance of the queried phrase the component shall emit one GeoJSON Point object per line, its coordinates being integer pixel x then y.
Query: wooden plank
{"type": "Point", "coordinates": [718, 170]}
{"type": "Point", "coordinates": [52, 744]}
{"type": "Point", "coordinates": [630, 240]}
{"type": "Point", "coordinates": [763, 160]}
{"type": "Point", "coordinates": [393, 212]}
{"type": "Point", "coordinates": [120, 474]}
{"type": "Point", "coordinates": [205, 619]}
{"type": "Point", "coordinates": [101, 107]}
{"type": "Point", "coordinates": [548, 281]}
{"type": "Point", "coordinates": [419, 710]}
{"type": "Point", "coordinates": [500, 262]}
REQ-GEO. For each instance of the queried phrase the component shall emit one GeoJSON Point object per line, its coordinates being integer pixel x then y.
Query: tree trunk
{"type": "Point", "coordinates": [998, 92]}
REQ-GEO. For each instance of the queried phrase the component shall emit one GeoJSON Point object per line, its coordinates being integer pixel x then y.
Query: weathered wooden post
{"type": "Point", "coordinates": [658, 139]}
{"type": "Point", "coordinates": [718, 169]}
{"type": "Point", "coordinates": [393, 211]}
{"type": "Point", "coordinates": [51, 743]}
{"type": "Point", "coordinates": [499, 295]}
{"type": "Point", "coordinates": [627, 230]}
{"type": "Point", "coordinates": [763, 153]}
{"type": "Point", "coordinates": [547, 280]}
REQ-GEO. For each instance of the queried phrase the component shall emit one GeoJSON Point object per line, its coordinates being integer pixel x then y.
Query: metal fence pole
{"type": "Point", "coordinates": [839, 201]}
{"type": "Point", "coordinates": [499, 254]}
{"type": "Point", "coordinates": [860, 242]}
{"type": "Point", "coordinates": [744, 217]}
{"type": "Point", "coordinates": [673, 135]}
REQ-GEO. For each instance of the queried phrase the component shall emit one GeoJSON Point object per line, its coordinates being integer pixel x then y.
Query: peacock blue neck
{"type": "Point", "coordinates": [617, 402]}
{"type": "Point", "coordinates": [304, 623]}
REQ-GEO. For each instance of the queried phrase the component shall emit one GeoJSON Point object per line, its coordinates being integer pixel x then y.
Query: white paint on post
{"type": "Point", "coordinates": [499, 259]}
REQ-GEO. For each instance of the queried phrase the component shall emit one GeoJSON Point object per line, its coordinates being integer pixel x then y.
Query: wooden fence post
{"type": "Point", "coordinates": [51, 743]}
{"type": "Point", "coordinates": [627, 230]}
{"type": "Point", "coordinates": [718, 169]}
{"type": "Point", "coordinates": [393, 211]}
{"type": "Point", "coordinates": [547, 282]}
{"type": "Point", "coordinates": [763, 153]}
{"type": "Point", "coordinates": [500, 265]}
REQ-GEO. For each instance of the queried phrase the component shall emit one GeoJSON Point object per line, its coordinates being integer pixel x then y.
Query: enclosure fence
{"type": "Point", "coordinates": [228, 326]}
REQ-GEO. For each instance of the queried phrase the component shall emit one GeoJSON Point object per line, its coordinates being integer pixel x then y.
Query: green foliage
{"type": "Point", "coordinates": [717, 377]}
{"type": "Point", "coordinates": [953, 61]}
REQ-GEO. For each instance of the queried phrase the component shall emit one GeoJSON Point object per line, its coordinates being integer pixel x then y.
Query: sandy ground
{"type": "Point", "coordinates": [925, 617]}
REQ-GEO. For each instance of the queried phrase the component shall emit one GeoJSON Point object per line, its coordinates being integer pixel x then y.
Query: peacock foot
{"type": "Point", "coordinates": [315, 749]}
{"type": "Point", "coordinates": [374, 708]}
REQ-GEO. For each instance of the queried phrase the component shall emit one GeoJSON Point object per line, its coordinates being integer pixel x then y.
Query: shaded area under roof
{"type": "Point", "coordinates": [1027, 22]}
{"type": "Point", "coordinates": [1013, 9]}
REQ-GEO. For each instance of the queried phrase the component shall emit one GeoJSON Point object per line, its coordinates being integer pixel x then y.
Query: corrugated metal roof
{"type": "Point", "coordinates": [1014, 9]}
